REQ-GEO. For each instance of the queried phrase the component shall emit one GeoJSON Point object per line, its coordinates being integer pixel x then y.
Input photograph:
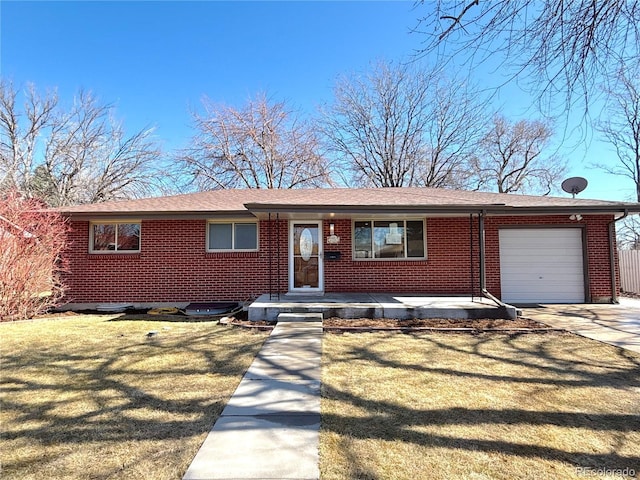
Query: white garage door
{"type": "Point", "coordinates": [541, 265]}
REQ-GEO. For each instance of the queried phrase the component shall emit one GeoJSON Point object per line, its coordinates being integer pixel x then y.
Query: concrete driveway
{"type": "Point", "coordinates": [617, 325]}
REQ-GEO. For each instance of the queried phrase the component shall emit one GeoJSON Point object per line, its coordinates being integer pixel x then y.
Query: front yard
{"type": "Point", "coordinates": [536, 406]}
{"type": "Point", "coordinates": [95, 397]}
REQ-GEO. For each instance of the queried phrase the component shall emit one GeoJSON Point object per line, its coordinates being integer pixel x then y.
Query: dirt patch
{"type": "Point", "coordinates": [259, 324]}
{"type": "Point", "coordinates": [630, 295]}
{"type": "Point", "coordinates": [55, 314]}
{"type": "Point", "coordinates": [432, 324]}
{"type": "Point", "coordinates": [335, 324]}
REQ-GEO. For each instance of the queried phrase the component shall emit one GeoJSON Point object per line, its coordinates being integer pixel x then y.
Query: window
{"type": "Point", "coordinates": [389, 239]}
{"type": "Point", "coordinates": [123, 237]}
{"type": "Point", "coordinates": [232, 236]}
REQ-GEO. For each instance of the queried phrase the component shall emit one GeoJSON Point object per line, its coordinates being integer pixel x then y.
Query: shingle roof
{"type": "Point", "coordinates": [343, 199]}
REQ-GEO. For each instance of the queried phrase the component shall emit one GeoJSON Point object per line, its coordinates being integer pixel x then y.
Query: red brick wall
{"type": "Point", "coordinates": [447, 269]}
{"type": "Point", "coordinates": [173, 265]}
{"type": "Point", "coordinates": [596, 228]}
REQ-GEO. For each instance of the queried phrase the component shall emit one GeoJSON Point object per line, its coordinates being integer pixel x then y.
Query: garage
{"type": "Point", "coordinates": [542, 265]}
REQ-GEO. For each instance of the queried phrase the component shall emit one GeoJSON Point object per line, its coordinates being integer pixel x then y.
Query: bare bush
{"type": "Point", "coordinates": [31, 240]}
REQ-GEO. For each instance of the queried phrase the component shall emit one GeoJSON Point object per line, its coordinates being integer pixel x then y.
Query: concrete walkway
{"type": "Point", "coordinates": [270, 427]}
{"type": "Point", "coordinates": [617, 325]}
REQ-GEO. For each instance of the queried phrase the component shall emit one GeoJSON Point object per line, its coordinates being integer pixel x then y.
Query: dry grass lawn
{"type": "Point", "coordinates": [492, 406]}
{"type": "Point", "coordinates": [93, 397]}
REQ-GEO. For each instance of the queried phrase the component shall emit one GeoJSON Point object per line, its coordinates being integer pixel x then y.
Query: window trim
{"type": "Point", "coordinates": [92, 223]}
{"type": "Point", "coordinates": [403, 219]}
{"type": "Point", "coordinates": [233, 223]}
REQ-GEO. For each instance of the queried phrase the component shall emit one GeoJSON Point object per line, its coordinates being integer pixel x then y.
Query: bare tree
{"type": "Point", "coordinates": [511, 158]}
{"type": "Point", "coordinates": [19, 138]}
{"type": "Point", "coordinates": [403, 126]}
{"type": "Point", "coordinates": [262, 145]}
{"type": "Point", "coordinates": [621, 126]}
{"type": "Point", "coordinates": [628, 233]}
{"type": "Point", "coordinates": [80, 155]}
{"type": "Point", "coordinates": [565, 46]}
{"type": "Point", "coordinates": [453, 133]}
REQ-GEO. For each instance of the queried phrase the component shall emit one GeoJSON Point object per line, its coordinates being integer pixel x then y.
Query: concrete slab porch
{"type": "Point", "coordinates": [379, 305]}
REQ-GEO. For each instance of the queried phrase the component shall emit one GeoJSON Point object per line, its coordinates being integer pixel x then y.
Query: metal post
{"type": "Point", "coordinates": [270, 254]}
{"type": "Point", "coordinates": [278, 247]}
{"type": "Point", "coordinates": [483, 279]}
{"type": "Point", "coordinates": [471, 253]}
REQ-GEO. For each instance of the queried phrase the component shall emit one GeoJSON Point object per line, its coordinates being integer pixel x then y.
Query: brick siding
{"type": "Point", "coordinates": [173, 265]}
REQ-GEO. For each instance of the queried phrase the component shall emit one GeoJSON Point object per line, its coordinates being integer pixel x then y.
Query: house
{"type": "Point", "coordinates": [238, 244]}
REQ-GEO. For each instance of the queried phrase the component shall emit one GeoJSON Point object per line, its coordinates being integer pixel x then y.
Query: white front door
{"type": "Point", "coordinates": [305, 257]}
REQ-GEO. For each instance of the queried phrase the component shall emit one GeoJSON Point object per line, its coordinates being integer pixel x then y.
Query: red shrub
{"type": "Point", "coordinates": [31, 240]}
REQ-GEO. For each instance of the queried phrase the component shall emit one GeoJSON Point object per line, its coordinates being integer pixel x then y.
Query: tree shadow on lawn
{"type": "Point", "coordinates": [538, 365]}
{"type": "Point", "coordinates": [128, 393]}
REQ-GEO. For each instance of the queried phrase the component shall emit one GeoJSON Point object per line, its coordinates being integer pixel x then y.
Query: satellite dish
{"type": "Point", "coordinates": [574, 185]}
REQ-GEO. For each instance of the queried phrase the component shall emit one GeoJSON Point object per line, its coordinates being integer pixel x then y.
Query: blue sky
{"type": "Point", "coordinates": [156, 59]}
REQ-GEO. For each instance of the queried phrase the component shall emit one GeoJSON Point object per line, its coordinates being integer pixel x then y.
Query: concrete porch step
{"type": "Point", "coordinates": [377, 305]}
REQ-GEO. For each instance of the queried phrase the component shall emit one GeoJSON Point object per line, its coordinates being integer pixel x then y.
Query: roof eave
{"type": "Point", "coordinates": [150, 215]}
{"type": "Point", "coordinates": [489, 209]}
{"type": "Point", "coordinates": [260, 209]}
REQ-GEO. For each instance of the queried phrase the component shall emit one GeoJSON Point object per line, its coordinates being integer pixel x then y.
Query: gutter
{"type": "Point", "coordinates": [612, 258]}
{"type": "Point", "coordinates": [488, 209]}
{"type": "Point", "coordinates": [163, 215]}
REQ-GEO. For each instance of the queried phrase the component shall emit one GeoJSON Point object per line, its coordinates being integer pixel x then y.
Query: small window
{"type": "Point", "coordinates": [389, 239]}
{"type": "Point", "coordinates": [232, 236]}
{"type": "Point", "coordinates": [115, 237]}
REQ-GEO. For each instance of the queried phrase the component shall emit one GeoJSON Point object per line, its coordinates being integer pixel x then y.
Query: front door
{"type": "Point", "coordinates": [305, 257]}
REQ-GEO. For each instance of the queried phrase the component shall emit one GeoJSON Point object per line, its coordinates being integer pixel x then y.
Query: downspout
{"type": "Point", "coordinates": [483, 276]}
{"type": "Point", "coordinates": [612, 256]}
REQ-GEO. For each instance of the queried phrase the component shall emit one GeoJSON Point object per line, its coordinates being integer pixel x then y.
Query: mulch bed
{"type": "Point", "coordinates": [434, 324]}
{"type": "Point", "coordinates": [260, 325]}
{"type": "Point", "coordinates": [355, 325]}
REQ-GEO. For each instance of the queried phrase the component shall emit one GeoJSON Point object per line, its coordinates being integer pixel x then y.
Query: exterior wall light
{"type": "Point", "coordinates": [332, 238]}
